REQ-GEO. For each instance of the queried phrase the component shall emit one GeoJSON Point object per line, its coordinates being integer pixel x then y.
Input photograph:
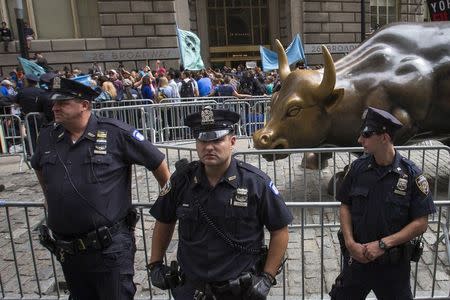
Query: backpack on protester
{"type": "Point", "coordinates": [160, 95]}
{"type": "Point", "coordinates": [187, 89]}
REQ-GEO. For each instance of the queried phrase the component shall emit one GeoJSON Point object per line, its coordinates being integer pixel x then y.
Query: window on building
{"type": "Point", "coordinates": [383, 12]}
{"type": "Point", "coordinates": [58, 19]}
{"type": "Point", "coordinates": [237, 22]}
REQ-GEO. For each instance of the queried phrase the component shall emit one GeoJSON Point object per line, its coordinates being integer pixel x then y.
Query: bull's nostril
{"type": "Point", "coordinates": [265, 139]}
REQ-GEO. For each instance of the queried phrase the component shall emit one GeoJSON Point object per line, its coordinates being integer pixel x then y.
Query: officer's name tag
{"type": "Point", "coordinates": [398, 192]}
{"type": "Point", "coordinates": [241, 198]}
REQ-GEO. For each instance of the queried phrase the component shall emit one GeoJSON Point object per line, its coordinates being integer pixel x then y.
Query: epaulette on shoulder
{"type": "Point", "coordinates": [115, 122]}
{"type": "Point", "coordinates": [252, 169]}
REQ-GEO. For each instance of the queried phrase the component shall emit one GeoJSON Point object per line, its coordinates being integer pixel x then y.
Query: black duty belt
{"type": "Point", "coordinates": [97, 239]}
{"type": "Point", "coordinates": [233, 286]}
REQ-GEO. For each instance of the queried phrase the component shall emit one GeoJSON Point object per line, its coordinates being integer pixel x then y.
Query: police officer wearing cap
{"type": "Point", "coordinates": [385, 205]}
{"type": "Point", "coordinates": [222, 205]}
{"type": "Point", "coordinates": [83, 164]}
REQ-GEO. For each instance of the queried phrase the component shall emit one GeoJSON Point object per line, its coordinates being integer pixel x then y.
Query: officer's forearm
{"type": "Point", "coordinates": [42, 183]}
{"type": "Point", "coordinates": [346, 224]}
{"type": "Point", "coordinates": [277, 247]}
{"type": "Point", "coordinates": [162, 173]}
{"type": "Point", "coordinates": [162, 235]}
{"type": "Point", "coordinates": [410, 231]}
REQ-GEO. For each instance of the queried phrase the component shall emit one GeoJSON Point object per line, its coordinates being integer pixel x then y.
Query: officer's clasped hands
{"type": "Point", "coordinates": [372, 250]}
{"type": "Point", "coordinates": [356, 251]}
{"type": "Point", "coordinates": [260, 287]}
{"type": "Point", "coordinates": [158, 272]}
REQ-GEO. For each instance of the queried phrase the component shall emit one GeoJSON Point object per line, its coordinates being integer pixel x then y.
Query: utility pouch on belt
{"type": "Point", "coordinates": [414, 249]}
{"type": "Point", "coordinates": [173, 276]}
{"type": "Point", "coordinates": [132, 218]}
{"type": "Point", "coordinates": [46, 239]}
{"type": "Point", "coordinates": [104, 236]}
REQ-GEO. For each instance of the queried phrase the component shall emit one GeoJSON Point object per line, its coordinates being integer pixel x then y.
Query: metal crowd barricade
{"type": "Point", "coordinates": [113, 103]}
{"type": "Point", "coordinates": [33, 125]}
{"type": "Point", "coordinates": [218, 99]}
{"type": "Point", "coordinates": [12, 138]}
{"type": "Point", "coordinates": [27, 270]}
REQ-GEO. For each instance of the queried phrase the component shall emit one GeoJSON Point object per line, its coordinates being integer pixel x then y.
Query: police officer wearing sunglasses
{"type": "Point", "coordinates": [222, 205]}
{"type": "Point", "coordinates": [386, 201]}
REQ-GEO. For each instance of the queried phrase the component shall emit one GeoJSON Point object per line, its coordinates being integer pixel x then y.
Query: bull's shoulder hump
{"type": "Point", "coordinates": [253, 169]}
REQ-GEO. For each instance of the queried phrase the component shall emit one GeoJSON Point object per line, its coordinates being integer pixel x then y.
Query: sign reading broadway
{"type": "Point", "coordinates": [439, 9]}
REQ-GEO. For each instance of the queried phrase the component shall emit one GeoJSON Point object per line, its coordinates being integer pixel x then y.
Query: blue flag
{"type": "Point", "coordinates": [294, 53]}
{"type": "Point", "coordinates": [189, 45]}
{"type": "Point", "coordinates": [85, 79]}
{"type": "Point", "coordinates": [30, 67]}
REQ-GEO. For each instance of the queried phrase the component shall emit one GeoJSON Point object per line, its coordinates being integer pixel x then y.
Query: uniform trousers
{"type": "Point", "coordinates": [102, 275]}
{"type": "Point", "coordinates": [388, 281]}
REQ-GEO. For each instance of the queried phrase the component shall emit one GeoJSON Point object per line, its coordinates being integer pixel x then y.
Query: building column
{"type": "Point", "coordinates": [274, 21]}
{"type": "Point", "coordinates": [182, 14]}
{"type": "Point", "coordinates": [4, 13]}
{"type": "Point", "coordinates": [202, 25]}
{"type": "Point", "coordinates": [296, 17]}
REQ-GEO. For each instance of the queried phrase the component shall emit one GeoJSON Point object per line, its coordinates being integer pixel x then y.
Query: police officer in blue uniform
{"type": "Point", "coordinates": [222, 205]}
{"type": "Point", "coordinates": [385, 205]}
{"type": "Point", "coordinates": [83, 164]}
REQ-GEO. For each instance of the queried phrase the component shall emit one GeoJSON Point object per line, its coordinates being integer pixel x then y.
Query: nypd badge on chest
{"type": "Point", "coordinates": [402, 185]}
{"type": "Point", "coordinates": [240, 198]}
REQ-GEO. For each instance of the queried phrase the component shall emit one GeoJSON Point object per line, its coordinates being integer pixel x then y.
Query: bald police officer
{"type": "Point", "coordinates": [222, 205]}
{"type": "Point", "coordinates": [385, 205]}
{"type": "Point", "coordinates": [83, 164]}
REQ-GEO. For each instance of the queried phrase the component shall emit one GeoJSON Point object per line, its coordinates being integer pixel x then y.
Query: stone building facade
{"type": "Point", "coordinates": [137, 33]}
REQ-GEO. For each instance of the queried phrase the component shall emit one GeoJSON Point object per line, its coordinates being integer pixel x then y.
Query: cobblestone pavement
{"type": "Point", "coordinates": [303, 267]}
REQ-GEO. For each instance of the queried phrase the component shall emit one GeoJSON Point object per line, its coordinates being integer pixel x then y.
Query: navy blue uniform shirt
{"type": "Point", "coordinates": [99, 166]}
{"type": "Point", "coordinates": [241, 204]}
{"type": "Point", "coordinates": [384, 199]}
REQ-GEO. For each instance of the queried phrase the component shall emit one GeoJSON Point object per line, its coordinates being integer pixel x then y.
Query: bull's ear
{"type": "Point", "coordinates": [333, 99]}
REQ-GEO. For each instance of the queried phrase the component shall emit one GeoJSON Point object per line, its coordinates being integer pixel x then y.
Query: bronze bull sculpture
{"type": "Point", "coordinates": [404, 68]}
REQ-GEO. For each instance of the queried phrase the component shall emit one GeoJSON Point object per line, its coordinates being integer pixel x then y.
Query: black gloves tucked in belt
{"type": "Point", "coordinates": [158, 272]}
{"type": "Point", "coordinates": [261, 285]}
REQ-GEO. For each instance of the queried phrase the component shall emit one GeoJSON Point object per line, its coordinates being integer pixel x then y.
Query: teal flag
{"type": "Point", "coordinates": [30, 67]}
{"type": "Point", "coordinates": [294, 53]}
{"type": "Point", "coordinates": [189, 45]}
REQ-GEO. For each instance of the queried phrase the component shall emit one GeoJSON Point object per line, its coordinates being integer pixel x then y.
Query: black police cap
{"type": "Point", "coordinates": [66, 89]}
{"type": "Point", "coordinates": [47, 77]}
{"type": "Point", "coordinates": [380, 121]}
{"type": "Point", "coordinates": [211, 124]}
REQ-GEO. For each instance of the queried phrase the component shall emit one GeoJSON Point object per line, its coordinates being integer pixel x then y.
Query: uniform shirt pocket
{"type": "Point", "coordinates": [241, 222]}
{"type": "Point", "coordinates": [48, 162]}
{"type": "Point", "coordinates": [398, 210]}
{"type": "Point", "coordinates": [188, 217]}
{"type": "Point", "coordinates": [358, 196]}
{"type": "Point", "coordinates": [98, 168]}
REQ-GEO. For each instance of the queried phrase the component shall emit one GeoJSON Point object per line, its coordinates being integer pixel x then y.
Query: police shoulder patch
{"type": "Point", "coordinates": [422, 184]}
{"type": "Point", "coordinates": [273, 188]}
{"type": "Point", "coordinates": [137, 135]}
{"type": "Point", "coordinates": [166, 188]}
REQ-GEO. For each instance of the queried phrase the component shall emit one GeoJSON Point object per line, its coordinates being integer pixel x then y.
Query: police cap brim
{"type": "Point", "coordinates": [208, 136]}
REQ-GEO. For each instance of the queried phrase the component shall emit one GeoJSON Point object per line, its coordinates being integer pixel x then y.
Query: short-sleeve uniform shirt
{"type": "Point", "coordinates": [241, 204]}
{"type": "Point", "coordinates": [92, 175]}
{"type": "Point", "coordinates": [384, 199]}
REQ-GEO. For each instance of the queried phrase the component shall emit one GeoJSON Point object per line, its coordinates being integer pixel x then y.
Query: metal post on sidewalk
{"type": "Point", "coordinates": [20, 29]}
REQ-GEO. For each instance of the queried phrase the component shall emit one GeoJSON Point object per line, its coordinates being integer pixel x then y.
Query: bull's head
{"type": "Point", "coordinates": [299, 111]}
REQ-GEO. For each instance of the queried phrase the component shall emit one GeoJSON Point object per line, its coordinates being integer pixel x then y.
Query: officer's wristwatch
{"type": "Point", "coordinates": [382, 245]}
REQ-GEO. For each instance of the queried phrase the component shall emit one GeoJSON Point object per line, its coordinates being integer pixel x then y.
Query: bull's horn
{"type": "Point", "coordinates": [283, 66]}
{"type": "Point", "coordinates": [326, 87]}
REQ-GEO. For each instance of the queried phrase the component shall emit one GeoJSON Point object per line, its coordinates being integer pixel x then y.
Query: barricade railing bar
{"type": "Point", "coordinates": [113, 103]}
{"type": "Point", "coordinates": [27, 270]}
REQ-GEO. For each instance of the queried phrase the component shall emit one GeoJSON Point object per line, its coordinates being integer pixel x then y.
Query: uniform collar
{"type": "Point", "coordinates": [394, 167]}
{"type": "Point", "coordinates": [89, 132]}
{"type": "Point", "coordinates": [230, 176]}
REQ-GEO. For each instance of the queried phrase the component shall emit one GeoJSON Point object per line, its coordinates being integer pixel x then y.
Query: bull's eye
{"type": "Point", "coordinates": [293, 111]}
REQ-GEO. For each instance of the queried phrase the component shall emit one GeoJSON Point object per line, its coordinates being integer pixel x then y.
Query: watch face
{"type": "Point", "coordinates": [382, 245]}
